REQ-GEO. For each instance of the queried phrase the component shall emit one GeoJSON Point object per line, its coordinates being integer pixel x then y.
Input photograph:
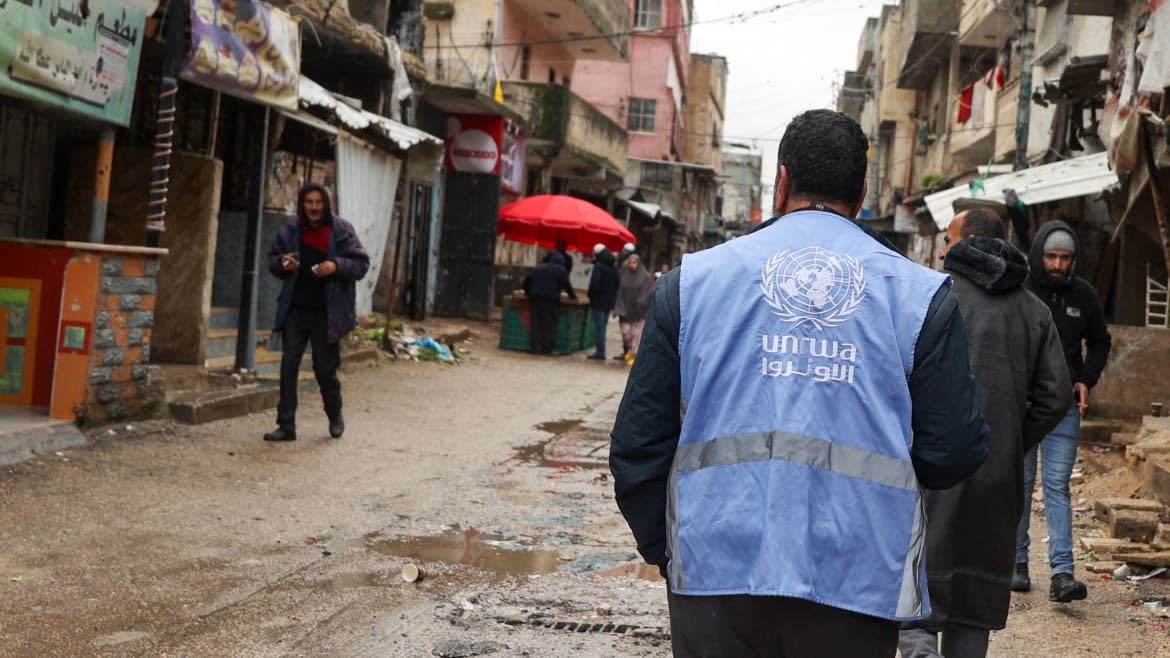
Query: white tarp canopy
{"type": "Point", "coordinates": [367, 179]}
{"type": "Point", "coordinates": [650, 210]}
{"type": "Point", "coordinates": [314, 95]}
{"type": "Point", "coordinates": [1089, 174]}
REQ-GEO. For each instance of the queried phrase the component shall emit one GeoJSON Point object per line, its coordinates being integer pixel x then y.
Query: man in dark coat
{"type": "Point", "coordinates": [1086, 342]}
{"type": "Point", "coordinates": [1016, 357]}
{"type": "Point", "coordinates": [563, 251]}
{"type": "Point", "coordinates": [320, 258]}
{"type": "Point", "coordinates": [543, 288]}
{"type": "Point", "coordinates": [603, 288]}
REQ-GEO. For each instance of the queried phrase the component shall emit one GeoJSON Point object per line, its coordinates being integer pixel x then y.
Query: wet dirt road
{"type": "Point", "coordinates": [167, 540]}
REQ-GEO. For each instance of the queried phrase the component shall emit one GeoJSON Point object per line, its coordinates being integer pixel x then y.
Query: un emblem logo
{"type": "Point", "coordinates": [813, 285]}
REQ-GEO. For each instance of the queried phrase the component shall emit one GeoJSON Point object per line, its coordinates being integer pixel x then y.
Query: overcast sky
{"type": "Point", "coordinates": [779, 63]}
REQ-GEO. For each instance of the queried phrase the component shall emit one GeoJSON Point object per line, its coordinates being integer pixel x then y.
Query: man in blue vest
{"type": "Point", "coordinates": [795, 390]}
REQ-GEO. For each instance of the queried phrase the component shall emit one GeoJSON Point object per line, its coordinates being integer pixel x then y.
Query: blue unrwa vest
{"type": "Point", "coordinates": [793, 474]}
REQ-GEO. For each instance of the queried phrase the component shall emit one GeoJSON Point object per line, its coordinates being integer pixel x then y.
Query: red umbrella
{"type": "Point", "coordinates": [546, 218]}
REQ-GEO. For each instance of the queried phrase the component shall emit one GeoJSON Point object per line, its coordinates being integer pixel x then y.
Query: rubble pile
{"type": "Point", "coordinates": [417, 343]}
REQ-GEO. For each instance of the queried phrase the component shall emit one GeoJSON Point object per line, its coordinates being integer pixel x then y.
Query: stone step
{"type": "Point", "coordinates": [222, 342]}
{"type": "Point", "coordinates": [1100, 432]}
{"type": "Point", "coordinates": [224, 317]}
{"type": "Point", "coordinates": [267, 363]}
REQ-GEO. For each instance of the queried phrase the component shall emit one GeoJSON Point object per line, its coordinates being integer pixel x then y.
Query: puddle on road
{"type": "Point", "coordinates": [569, 448]}
{"type": "Point", "coordinates": [496, 552]}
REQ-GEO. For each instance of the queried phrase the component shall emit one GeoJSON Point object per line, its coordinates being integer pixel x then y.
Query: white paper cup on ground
{"type": "Point", "coordinates": [412, 573]}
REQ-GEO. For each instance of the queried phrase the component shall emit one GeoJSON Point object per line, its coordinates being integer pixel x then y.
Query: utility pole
{"type": "Point", "coordinates": [1024, 113]}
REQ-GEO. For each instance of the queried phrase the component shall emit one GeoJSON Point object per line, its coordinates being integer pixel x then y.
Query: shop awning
{"type": "Point", "coordinates": [1081, 176]}
{"type": "Point", "coordinates": [403, 136]}
{"type": "Point", "coordinates": [650, 210]}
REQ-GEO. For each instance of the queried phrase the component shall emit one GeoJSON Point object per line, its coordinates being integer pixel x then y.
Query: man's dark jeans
{"type": "Point", "coordinates": [545, 316]}
{"type": "Point", "coordinates": [305, 326]}
{"type": "Point", "coordinates": [600, 318]}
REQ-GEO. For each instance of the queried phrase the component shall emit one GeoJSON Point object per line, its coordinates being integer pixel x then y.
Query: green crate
{"type": "Point", "coordinates": [514, 333]}
{"type": "Point", "coordinates": [588, 330]}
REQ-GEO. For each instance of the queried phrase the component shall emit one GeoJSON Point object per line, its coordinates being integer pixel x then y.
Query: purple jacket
{"type": "Point", "coordinates": [346, 250]}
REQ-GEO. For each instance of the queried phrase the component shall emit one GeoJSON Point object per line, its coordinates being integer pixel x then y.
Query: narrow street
{"type": "Point", "coordinates": [159, 539]}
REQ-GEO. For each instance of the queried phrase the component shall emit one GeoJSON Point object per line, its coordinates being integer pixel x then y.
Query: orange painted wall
{"type": "Point", "coordinates": [79, 297]}
{"type": "Point", "coordinates": [48, 265]}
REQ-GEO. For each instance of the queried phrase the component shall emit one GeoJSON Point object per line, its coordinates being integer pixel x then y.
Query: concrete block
{"type": "Point", "coordinates": [152, 266]}
{"type": "Point", "coordinates": [130, 303]}
{"type": "Point", "coordinates": [1156, 477]}
{"type": "Point", "coordinates": [101, 320]}
{"type": "Point", "coordinates": [134, 337]}
{"type": "Point", "coordinates": [125, 285]}
{"type": "Point", "coordinates": [1097, 431]}
{"type": "Point", "coordinates": [1102, 506]}
{"type": "Point", "coordinates": [1155, 423]}
{"type": "Point", "coordinates": [1125, 438]}
{"type": "Point", "coordinates": [1104, 547]}
{"type": "Point", "coordinates": [139, 371]}
{"type": "Point", "coordinates": [1103, 566]}
{"type": "Point", "coordinates": [141, 319]}
{"type": "Point", "coordinates": [113, 356]}
{"type": "Point", "coordinates": [113, 267]}
{"type": "Point", "coordinates": [103, 338]}
{"type": "Point", "coordinates": [24, 443]}
{"type": "Point", "coordinates": [1161, 540]}
{"type": "Point", "coordinates": [109, 393]}
{"type": "Point", "coordinates": [1137, 525]}
{"type": "Point", "coordinates": [100, 375]}
{"type": "Point", "coordinates": [146, 354]}
{"type": "Point", "coordinates": [117, 410]}
{"type": "Point", "coordinates": [1158, 559]}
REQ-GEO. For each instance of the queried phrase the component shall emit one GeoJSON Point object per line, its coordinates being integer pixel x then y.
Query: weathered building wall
{"type": "Point", "coordinates": [192, 210]}
{"type": "Point", "coordinates": [1135, 375]}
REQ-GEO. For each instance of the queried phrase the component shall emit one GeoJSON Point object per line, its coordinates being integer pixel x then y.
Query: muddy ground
{"type": "Point", "coordinates": [169, 540]}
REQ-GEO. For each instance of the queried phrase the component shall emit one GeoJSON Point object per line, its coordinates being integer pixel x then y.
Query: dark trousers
{"type": "Point", "coordinates": [305, 326]}
{"type": "Point", "coordinates": [543, 332]}
{"type": "Point", "coordinates": [600, 319]}
{"type": "Point", "coordinates": [774, 626]}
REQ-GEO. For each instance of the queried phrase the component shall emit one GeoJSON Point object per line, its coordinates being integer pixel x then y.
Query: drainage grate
{"type": "Point", "coordinates": [593, 627]}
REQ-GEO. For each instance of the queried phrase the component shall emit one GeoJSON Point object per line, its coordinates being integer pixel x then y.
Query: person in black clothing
{"type": "Point", "coordinates": [1086, 342]}
{"type": "Point", "coordinates": [562, 251]}
{"type": "Point", "coordinates": [1025, 391]}
{"type": "Point", "coordinates": [543, 288]}
{"type": "Point", "coordinates": [320, 258]}
{"type": "Point", "coordinates": [603, 289]}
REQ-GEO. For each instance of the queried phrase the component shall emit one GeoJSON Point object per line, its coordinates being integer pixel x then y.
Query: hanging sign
{"type": "Point", "coordinates": [81, 55]}
{"type": "Point", "coordinates": [247, 49]}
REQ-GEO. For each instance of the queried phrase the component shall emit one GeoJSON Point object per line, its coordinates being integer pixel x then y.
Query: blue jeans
{"type": "Point", "coordinates": [600, 319]}
{"type": "Point", "coordinates": [1059, 453]}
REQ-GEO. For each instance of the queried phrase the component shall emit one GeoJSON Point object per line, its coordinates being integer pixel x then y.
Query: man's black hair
{"type": "Point", "coordinates": [983, 223]}
{"type": "Point", "coordinates": [824, 152]}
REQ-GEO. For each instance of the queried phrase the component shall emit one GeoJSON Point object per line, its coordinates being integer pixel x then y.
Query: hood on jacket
{"type": "Point", "coordinates": [990, 263]}
{"type": "Point", "coordinates": [1039, 275]}
{"type": "Point", "coordinates": [311, 187]}
{"type": "Point", "coordinates": [604, 257]}
{"type": "Point", "coordinates": [554, 258]}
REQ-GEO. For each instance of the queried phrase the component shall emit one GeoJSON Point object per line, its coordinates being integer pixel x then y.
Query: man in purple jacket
{"type": "Point", "coordinates": [319, 257]}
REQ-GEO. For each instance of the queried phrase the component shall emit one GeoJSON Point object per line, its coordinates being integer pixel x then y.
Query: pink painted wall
{"type": "Point", "coordinates": [517, 26]}
{"type": "Point", "coordinates": [609, 85]}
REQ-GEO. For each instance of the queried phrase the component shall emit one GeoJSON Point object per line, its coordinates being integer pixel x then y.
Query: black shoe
{"type": "Point", "coordinates": [1020, 580]}
{"type": "Point", "coordinates": [596, 357]}
{"type": "Point", "coordinates": [336, 427]}
{"type": "Point", "coordinates": [1065, 588]}
{"type": "Point", "coordinates": [281, 434]}
{"type": "Point", "coordinates": [620, 358]}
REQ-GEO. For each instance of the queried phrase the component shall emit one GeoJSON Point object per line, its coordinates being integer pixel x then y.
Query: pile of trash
{"type": "Point", "coordinates": [402, 341]}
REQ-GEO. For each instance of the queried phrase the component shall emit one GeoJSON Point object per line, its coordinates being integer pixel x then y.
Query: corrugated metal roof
{"type": "Point", "coordinates": [403, 136]}
{"type": "Point", "coordinates": [1089, 174]}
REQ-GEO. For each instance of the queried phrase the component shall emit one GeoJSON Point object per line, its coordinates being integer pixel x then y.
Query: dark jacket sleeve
{"type": "Point", "coordinates": [645, 434]}
{"type": "Point", "coordinates": [950, 435]}
{"type": "Point", "coordinates": [351, 258]}
{"type": "Point", "coordinates": [1097, 342]}
{"type": "Point", "coordinates": [1050, 391]}
{"type": "Point", "coordinates": [567, 285]}
{"type": "Point", "coordinates": [276, 251]}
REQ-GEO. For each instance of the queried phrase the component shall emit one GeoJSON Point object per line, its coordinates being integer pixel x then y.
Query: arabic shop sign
{"type": "Point", "coordinates": [77, 54]}
{"type": "Point", "coordinates": [245, 48]}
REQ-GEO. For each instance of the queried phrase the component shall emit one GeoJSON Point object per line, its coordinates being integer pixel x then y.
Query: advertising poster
{"type": "Point", "coordinates": [247, 49]}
